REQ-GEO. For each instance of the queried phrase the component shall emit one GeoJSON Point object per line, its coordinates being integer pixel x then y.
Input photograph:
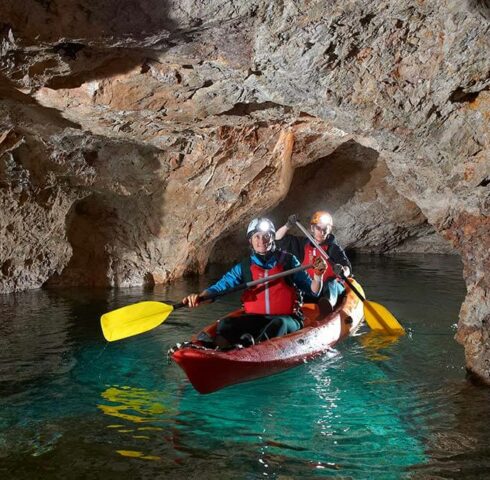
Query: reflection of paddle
{"type": "Point", "coordinates": [374, 343]}
{"type": "Point", "coordinates": [377, 316]}
{"type": "Point", "coordinates": [136, 405]}
{"type": "Point", "coordinates": [144, 316]}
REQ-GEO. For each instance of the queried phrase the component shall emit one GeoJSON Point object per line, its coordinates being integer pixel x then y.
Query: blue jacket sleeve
{"type": "Point", "coordinates": [230, 279]}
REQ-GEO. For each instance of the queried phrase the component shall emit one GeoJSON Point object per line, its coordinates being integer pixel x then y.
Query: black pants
{"type": "Point", "coordinates": [261, 327]}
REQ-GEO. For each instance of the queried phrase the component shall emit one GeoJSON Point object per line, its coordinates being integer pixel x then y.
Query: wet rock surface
{"type": "Point", "coordinates": [136, 136]}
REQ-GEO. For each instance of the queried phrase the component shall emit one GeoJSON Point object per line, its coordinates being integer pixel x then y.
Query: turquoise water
{"type": "Point", "coordinates": [74, 406]}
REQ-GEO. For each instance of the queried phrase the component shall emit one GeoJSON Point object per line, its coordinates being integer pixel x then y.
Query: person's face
{"type": "Point", "coordinates": [320, 232]}
{"type": "Point", "coordinates": [260, 242]}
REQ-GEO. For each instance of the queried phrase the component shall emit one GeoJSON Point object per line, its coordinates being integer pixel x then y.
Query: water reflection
{"type": "Point", "coordinates": [134, 404]}
{"type": "Point", "coordinates": [30, 344]}
{"type": "Point", "coordinates": [376, 408]}
{"type": "Point", "coordinates": [457, 439]}
{"type": "Point", "coordinates": [376, 345]}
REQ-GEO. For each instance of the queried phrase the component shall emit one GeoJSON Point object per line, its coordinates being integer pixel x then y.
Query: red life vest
{"type": "Point", "coordinates": [311, 253]}
{"type": "Point", "coordinates": [274, 298]}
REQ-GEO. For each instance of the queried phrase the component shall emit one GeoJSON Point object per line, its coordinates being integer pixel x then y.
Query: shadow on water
{"type": "Point", "coordinates": [75, 406]}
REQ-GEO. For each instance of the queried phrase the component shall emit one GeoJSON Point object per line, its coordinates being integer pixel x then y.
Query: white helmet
{"type": "Point", "coordinates": [261, 224]}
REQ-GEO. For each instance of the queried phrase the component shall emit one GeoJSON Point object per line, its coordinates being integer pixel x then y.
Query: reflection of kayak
{"type": "Point", "coordinates": [209, 370]}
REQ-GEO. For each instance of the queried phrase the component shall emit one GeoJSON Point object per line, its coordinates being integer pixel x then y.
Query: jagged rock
{"type": "Point", "coordinates": [136, 135]}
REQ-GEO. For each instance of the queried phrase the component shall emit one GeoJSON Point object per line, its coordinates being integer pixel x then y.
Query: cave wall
{"type": "Point", "coordinates": [355, 185]}
{"type": "Point", "coordinates": [163, 126]}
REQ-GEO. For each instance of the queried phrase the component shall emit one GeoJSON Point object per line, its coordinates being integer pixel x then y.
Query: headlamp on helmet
{"type": "Point", "coordinates": [263, 225]}
{"type": "Point", "coordinates": [322, 219]}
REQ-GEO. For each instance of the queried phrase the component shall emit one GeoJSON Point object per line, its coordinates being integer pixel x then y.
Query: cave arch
{"type": "Point", "coordinates": [354, 183]}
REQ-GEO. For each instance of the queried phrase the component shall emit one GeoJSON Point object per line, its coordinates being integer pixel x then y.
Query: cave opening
{"type": "Point", "coordinates": [88, 226]}
{"type": "Point", "coordinates": [354, 184]}
{"type": "Point", "coordinates": [328, 183]}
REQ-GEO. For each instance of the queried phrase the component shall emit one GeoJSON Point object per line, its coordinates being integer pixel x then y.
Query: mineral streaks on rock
{"type": "Point", "coordinates": [136, 134]}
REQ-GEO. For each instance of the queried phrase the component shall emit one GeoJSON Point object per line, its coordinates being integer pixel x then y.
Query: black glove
{"type": "Point", "coordinates": [292, 219]}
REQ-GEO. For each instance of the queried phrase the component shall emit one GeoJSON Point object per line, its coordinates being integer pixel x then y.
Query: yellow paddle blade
{"type": "Point", "coordinates": [380, 319]}
{"type": "Point", "coordinates": [134, 319]}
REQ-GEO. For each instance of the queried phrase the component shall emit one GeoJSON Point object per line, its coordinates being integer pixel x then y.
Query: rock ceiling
{"type": "Point", "coordinates": [136, 134]}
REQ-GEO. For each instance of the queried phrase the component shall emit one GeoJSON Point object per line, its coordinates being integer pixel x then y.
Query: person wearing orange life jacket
{"type": "Point", "coordinates": [321, 224]}
{"type": "Point", "coordinates": [270, 310]}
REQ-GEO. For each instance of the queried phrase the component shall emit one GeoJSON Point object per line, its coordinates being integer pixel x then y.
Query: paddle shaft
{"type": "Point", "coordinates": [250, 284]}
{"type": "Point", "coordinates": [327, 258]}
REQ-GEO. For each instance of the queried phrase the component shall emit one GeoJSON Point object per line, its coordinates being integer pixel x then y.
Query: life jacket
{"type": "Point", "coordinates": [311, 252]}
{"type": "Point", "coordinates": [272, 298]}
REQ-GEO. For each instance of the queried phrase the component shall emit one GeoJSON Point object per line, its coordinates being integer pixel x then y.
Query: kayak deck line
{"type": "Point", "coordinates": [209, 370]}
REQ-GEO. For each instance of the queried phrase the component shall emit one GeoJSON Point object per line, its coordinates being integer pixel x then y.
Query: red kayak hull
{"type": "Point", "coordinates": [210, 370]}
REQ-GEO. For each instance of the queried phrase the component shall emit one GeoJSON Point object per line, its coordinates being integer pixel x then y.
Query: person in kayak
{"type": "Point", "coordinates": [321, 224]}
{"type": "Point", "coordinates": [271, 310]}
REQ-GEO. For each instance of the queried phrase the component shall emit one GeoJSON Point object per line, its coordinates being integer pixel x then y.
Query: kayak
{"type": "Point", "coordinates": [210, 369]}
